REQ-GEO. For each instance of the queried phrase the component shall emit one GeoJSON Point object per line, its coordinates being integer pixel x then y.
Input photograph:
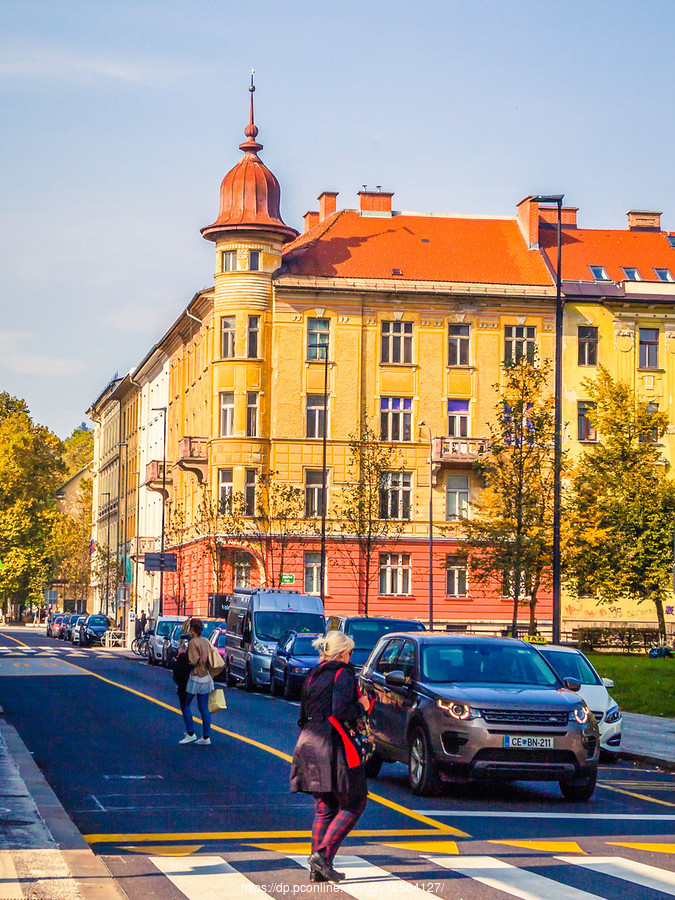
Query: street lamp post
{"type": "Point", "coordinates": [431, 525]}
{"type": "Point", "coordinates": [107, 552]}
{"type": "Point", "coordinates": [162, 409]}
{"type": "Point", "coordinates": [557, 199]}
{"type": "Point", "coordinates": [324, 476]}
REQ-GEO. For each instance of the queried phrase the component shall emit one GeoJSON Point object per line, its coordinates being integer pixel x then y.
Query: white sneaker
{"type": "Point", "coordinates": [188, 739]}
{"type": "Point", "coordinates": [204, 741]}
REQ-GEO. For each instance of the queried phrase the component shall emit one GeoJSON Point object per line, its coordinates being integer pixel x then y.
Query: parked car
{"type": "Point", "coordinates": [60, 630]}
{"type": "Point", "coordinates": [457, 707]}
{"type": "Point", "coordinates": [292, 662]}
{"type": "Point", "coordinates": [210, 625]}
{"type": "Point", "coordinates": [569, 662]}
{"type": "Point", "coordinates": [366, 632]}
{"type": "Point", "coordinates": [219, 639]}
{"type": "Point", "coordinates": [75, 630]}
{"type": "Point", "coordinates": [50, 624]}
{"type": "Point", "coordinates": [69, 622]}
{"type": "Point", "coordinates": [163, 628]}
{"type": "Point", "coordinates": [93, 628]}
{"type": "Point", "coordinates": [171, 644]}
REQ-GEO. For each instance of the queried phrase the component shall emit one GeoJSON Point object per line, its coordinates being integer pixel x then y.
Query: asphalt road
{"type": "Point", "coordinates": [207, 822]}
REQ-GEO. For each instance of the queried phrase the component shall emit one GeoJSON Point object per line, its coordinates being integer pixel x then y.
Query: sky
{"type": "Point", "coordinates": [120, 119]}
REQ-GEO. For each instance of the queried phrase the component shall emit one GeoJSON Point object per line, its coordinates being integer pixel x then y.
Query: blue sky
{"type": "Point", "coordinates": [120, 119]}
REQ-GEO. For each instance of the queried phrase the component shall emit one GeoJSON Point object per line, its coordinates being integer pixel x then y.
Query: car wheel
{"type": "Point", "coordinates": [289, 690]}
{"type": "Point", "coordinates": [275, 688]}
{"type": "Point", "coordinates": [422, 776]}
{"type": "Point", "coordinates": [249, 684]}
{"type": "Point", "coordinates": [373, 766]}
{"type": "Point", "coordinates": [608, 756]}
{"type": "Point", "coordinates": [581, 790]}
{"type": "Point", "coordinates": [230, 680]}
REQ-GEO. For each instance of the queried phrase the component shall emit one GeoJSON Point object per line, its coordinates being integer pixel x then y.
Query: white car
{"type": "Point", "coordinates": [568, 662]}
{"type": "Point", "coordinates": [163, 628]}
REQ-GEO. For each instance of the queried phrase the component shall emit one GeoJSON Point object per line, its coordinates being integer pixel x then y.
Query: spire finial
{"type": "Point", "coordinates": [251, 131]}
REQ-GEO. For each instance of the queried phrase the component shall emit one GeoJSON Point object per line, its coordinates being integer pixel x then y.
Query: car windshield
{"type": "Point", "coordinates": [302, 646]}
{"type": "Point", "coordinates": [270, 626]}
{"type": "Point", "coordinates": [175, 634]}
{"type": "Point", "coordinates": [220, 639]}
{"type": "Point", "coordinates": [98, 620]}
{"type": "Point", "coordinates": [209, 628]}
{"type": "Point", "coordinates": [367, 632]}
{"type": "Point", "coordinates": [476, 663]}
{"type": "Point", "coordinates": [164, 628]}
{"type": "Point", "coordinates": [571, 665]}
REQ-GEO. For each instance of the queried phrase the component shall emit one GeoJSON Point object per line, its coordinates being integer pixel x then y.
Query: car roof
{"type": "Point", "coordinates": [562, 647]}
{"type": "Point", "coordinates": [431, 637]}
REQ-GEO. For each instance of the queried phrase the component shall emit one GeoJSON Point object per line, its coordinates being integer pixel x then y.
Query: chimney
{"type": "Point", "coordinates": [643, 220]}
{"type": "Point", "coordinates": [528, 220]}
{"type": "Point", "coordinates": [375, 202]}
{"type": "Point", "coordinates": [327, 204]}
{"type": "Point", "coordinates": [548, 215]}
{"type": "Point", "coordinates": [310, 219]}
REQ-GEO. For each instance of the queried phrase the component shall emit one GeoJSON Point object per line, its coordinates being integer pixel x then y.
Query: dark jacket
{"type": "Point", "coordinates": [324, 761]}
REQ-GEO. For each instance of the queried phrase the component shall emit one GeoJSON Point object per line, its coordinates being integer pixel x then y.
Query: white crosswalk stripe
{"type": "Point", "coordinates": [206, 877]}
{"type": "Point", "coordinates": [366, 881]}
{"type": "Point", "coordinates": [651, 877]}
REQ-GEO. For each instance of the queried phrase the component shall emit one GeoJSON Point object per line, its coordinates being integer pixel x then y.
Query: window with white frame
{"type": "Point", "coordinates": [586, 430]}
{"type": "Point", "coordinates": [227, 333]}
{"type": "Point", "coordinates": [395, 495]}
{"type": "Point", "coordinates": [649, 348]}
{"type": "Point", "coordinates": [395, 574]}
{"type": "Point", "coordinates": [241, 574]}
{"type": "Point", "coordinates": [599, 273]}
{"type": "Point", "coordinates": [251, 414]}
{"type": "Point", "coordinates": [225, 489]}
{"type": "Point", "coordinates": [587, 345]}
{"type": "Point", "coordinates": [519, 342]}
{"type": "Point", "coordinates": [312, 572]}
{"type": "Point", "coordinates": [318, 338]}
{"type": "Point", "coordinates": [456, 495]}
{"type": "Point", "coordinates": [252, 337]}
{"type": "Point", "coordinates": [227, 414]}
{"type": "Point", "coordinates": [509, 586]}
{"type": "Point", "coordinates": [314, 420]}
{"type": "Point", "coordinates": [396, 342]}
{"type": "Point", "coordinates": [631, 273]}
{"type": "Point", "coordinates": [228, 260]}
{"type": "Point", "coordinates": [458, 418]}
{"type": "Point", "coordinates": [664, 274]}
{"type": "Point", "coordinates": [314, 494]}
{"type": "Point", "coordinates": [395, 418]}
{"type": "Point", "coordinates": [458, 344]}
{"type": "Point", "coordinates": [456, 576]}
{"type": "Point", "coordinates": [250, 487]}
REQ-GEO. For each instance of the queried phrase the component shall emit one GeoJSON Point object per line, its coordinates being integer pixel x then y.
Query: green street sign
{"type": "Point", "coordinates": [287, 579]}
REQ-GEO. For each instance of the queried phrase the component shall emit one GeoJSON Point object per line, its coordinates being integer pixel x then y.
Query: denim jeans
{"type": "Point", "coordinates": [203, 704]}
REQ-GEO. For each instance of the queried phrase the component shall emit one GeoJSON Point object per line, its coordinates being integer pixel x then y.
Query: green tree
{"type": "Point", "coordinates": [510, 530]}
{"type": "Point", "coordinates": [78, 450]}
{"type": "Point", "coordinates": [277, 524]}
{"type": "Point", "coordinates": [618, 539]}
{"type": "Point", "coordinates": [70, 538]}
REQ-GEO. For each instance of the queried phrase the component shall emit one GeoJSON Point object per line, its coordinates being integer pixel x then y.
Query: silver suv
{"type": "Point", "coordinates": [456, 707]}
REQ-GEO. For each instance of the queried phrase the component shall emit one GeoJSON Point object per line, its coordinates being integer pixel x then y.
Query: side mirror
{"type": "Point", "coordinates": [608, 683]}
{"type": "Point", "coordinates": [571, 684]}
{"type": "Point", "coordinates": [396, 679]}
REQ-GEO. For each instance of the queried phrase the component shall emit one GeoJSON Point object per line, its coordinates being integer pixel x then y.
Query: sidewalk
{"type": "Point", "coordinates": [42, 854]}
{"type": "Point", "coordinates": [648, 739]}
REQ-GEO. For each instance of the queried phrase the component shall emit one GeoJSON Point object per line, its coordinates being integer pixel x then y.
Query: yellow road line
{"type": "Point", "coordinates": [650, 848]}
{"type": "Point", "coordinates": [2, 634]}
{"type": "Point", "coordinates": [608, 787]}
{"type": "Point", "coordinates": [411, 814]}
{"type": "Point", "coordinates": [247, 835]}
{"type": "Point", "coordinates": [545, 846]}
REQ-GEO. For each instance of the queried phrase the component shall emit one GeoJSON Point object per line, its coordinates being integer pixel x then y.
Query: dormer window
{"type": "Point", "coordinates": [664, 274]}
{"type": "Point", "coordinates": [671, 239]}
{"type": "Point", "coordinates": [631, 273]}
{"type": "Point", "coordinates": [599, 273]}
{"type": "Point", "coordinates": [254, 261]}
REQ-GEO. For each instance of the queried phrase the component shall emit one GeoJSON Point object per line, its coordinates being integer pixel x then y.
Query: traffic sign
{"type": "Point", "coordinates": [160, 562]}
{"type": "Point", "coordinates": [287, 578]}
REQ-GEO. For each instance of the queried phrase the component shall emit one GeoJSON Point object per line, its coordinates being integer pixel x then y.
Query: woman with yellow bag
{"type": "Point", "coordinates": [200, 685]}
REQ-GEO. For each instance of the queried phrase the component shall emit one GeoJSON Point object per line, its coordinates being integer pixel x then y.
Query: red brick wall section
{"type": "Point", "coordinates": [375, 201]}
{"type": "Point", "coordinates": [327, 204]}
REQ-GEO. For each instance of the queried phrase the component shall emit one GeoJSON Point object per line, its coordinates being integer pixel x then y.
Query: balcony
{"type": "Point", "coordinates": [193, 456]}
{"type": "Point", "coordinates": [458, 451]}
{"type": "Point", "coordinates": [153, 477]}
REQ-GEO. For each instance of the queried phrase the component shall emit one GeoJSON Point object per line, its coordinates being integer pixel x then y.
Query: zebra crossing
{"type": "Point", "coordinates": [53, 651]}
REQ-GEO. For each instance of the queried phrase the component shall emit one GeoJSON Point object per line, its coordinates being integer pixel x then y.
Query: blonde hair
{"type": "Point", "coordinates": [333, 645]}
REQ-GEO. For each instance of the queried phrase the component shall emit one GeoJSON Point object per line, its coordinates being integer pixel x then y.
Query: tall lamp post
{"type": "Point", "coordinates": [557, 199]}
{"type": "Point", "coordinates": [107, 551]}
{"type": "Point", "coordinates": [431, 525]}
{"type": "Point", "coordinates": [162, 409]}
{"type": "Point", "coordinates": [324, 475]}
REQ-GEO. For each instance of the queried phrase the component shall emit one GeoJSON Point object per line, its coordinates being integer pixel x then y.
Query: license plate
{"type": "Point", "coordinates": [528, 743]}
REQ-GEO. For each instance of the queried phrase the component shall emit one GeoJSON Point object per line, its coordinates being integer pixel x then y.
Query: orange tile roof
{"type": "Point", "coordinates": [422, 248]}
{"type": "Point", "coordinates": [584, 247]}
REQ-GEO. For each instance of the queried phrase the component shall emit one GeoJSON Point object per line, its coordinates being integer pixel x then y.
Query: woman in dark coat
{"type": "Point", "coordinates": [326, 763]}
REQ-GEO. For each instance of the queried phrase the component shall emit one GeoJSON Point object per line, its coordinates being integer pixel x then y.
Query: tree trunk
{"type": "Point", "coordinates": [367, 584]}
{"type": "Point", "coordinates": [660, 618]}
{"type": "Point", "coordinates": [533, 622]}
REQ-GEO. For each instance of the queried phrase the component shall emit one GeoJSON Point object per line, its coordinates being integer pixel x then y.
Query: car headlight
{"type": "Point", "coordinates": [581, 714]}
{"type": "Point", "coordinates": [298, 670]}
{"type": "Point", "coordinates": [456, 710]}
{"type": "Point", "coordinates": [259, 647]}
{"type": "Point", "coordinates": [613, 714]}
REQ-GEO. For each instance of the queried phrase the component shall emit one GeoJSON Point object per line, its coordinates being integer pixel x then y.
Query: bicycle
{"type": "Point", "coordinates": [140, 645]}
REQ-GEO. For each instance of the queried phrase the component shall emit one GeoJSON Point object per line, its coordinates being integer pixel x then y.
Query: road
{"type": "Point", "coordinates": [175, 821]}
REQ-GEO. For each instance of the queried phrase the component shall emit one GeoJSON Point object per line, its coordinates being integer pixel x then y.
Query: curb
{"type": "Point", "coordinates": [93, 879]}
{"type": "Point", "coordinates": [630, 756]}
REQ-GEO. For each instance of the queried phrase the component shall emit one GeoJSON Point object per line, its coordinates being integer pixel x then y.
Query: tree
{"type": "Point", "coordinates": [362, 510]}
{"type": "Point", "coordinates": [278, 522]}
{"type": "Point", "coordinates": [177, 530]}
{"type": "Point", "coordinates": [621, 503]}
{"type": "Point", "coordinates": [78, 450]}
{"type": "Point", "coordinates": [510, 530]}
{"type": "Point", "coordinates": [70, 545]}
{"type": "Point", "coordinates": [219, 525]}
{"type": "Point", "coordinates": [109, 573]}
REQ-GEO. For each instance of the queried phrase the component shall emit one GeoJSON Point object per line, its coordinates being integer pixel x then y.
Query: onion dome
{"type": "Point", "coordinates": [250, 195]}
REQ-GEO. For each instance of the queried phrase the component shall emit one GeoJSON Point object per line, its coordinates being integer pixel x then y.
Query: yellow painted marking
{"type": "Point", "coordinates": [545, 846]}
{"type": "Point", "coordinates": [411, 814]}
{"type": "Point", "coordinates": [9, 636]}
{"type": "Point", "coordinates": [244, 835]}
{"type": "Point", "coordinates": [435, 847]}
{"type": "Point", "coordinates": [171, 850]}
{"type": "Point", "coordinates": [287, 849]}
{"type": "Point", "coordinates": [608, 787]}
{"type": "Point", "coordinates": [650, 848]}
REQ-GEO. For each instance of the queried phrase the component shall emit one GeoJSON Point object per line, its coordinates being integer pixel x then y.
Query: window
{"type": "Point", "coordinates": [396, 344]}
{"type": "Point", "coordinates": [227, 414]}
{"type": "Point", "coordinates": [314, 424]}
{"type": "Point", "coordinates": [671, 239]}
{"type": "Point", "coordinates": [395, 418]}
{"type": "Point", "coordinates": [251, 414]}
{"type": "Point", "coordinates": [395, 495]}
{"type": "Point", "coordinates": [386, 662]}
{"type": "Point", "coordinates": [225, 491]}
{"type": "Point", "coordinates": [455, 576]}
{"type": "Point", "coordinates": [586, 431]}
{"type": "Point", "coordinates": [599, 273]}
{"type": "Point", "coordinates": [406, 659]}
{"type": "Point", "coordinates": [250, 492]}
{"type": "Point", "coordinates": [458, 418]}
{"type": "Point", "coordinates": [587, 341]}
{"type": "Point", "coordinates": [252, 333]}
{"type": "Point", "coordinates": [664, 274]}
{"type": "Point", "coordinates": [312, 572]}
{"type": "Point", "coordinates": [227, 330]}
{"type": "Point", "coordinates": [318, 338]}
{"type": "Point", "coordinates": [254, 260]}
{"type": "Point", "coordinates": [649, 348]}
{"type": "Point", "coordinates": [509, 586]}
{"type": "Point", "coordinates": [242, 570]}
{"type": "Point", "coordinates": [631, 273]}
{"type": "Point", "coordinates": [457, 495]}
{"type": "Point", "coordinates": [651, 436]}
{"type": "Point", "coordinates": [229, 260]}
{"type": "Point", "coordinates": [458, 345]}
{"type": "Point", "coordinates": [314, 494]}
{"type": "Point", "coordinates": [519, 342]}
{"type": "Point", "coordinates": [395, 573]}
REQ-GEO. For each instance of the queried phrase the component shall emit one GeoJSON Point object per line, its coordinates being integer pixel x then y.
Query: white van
{"type": "Point", "coordinates": [163, 628]}
{"type": "Point", "coordinates": [256, 620]}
